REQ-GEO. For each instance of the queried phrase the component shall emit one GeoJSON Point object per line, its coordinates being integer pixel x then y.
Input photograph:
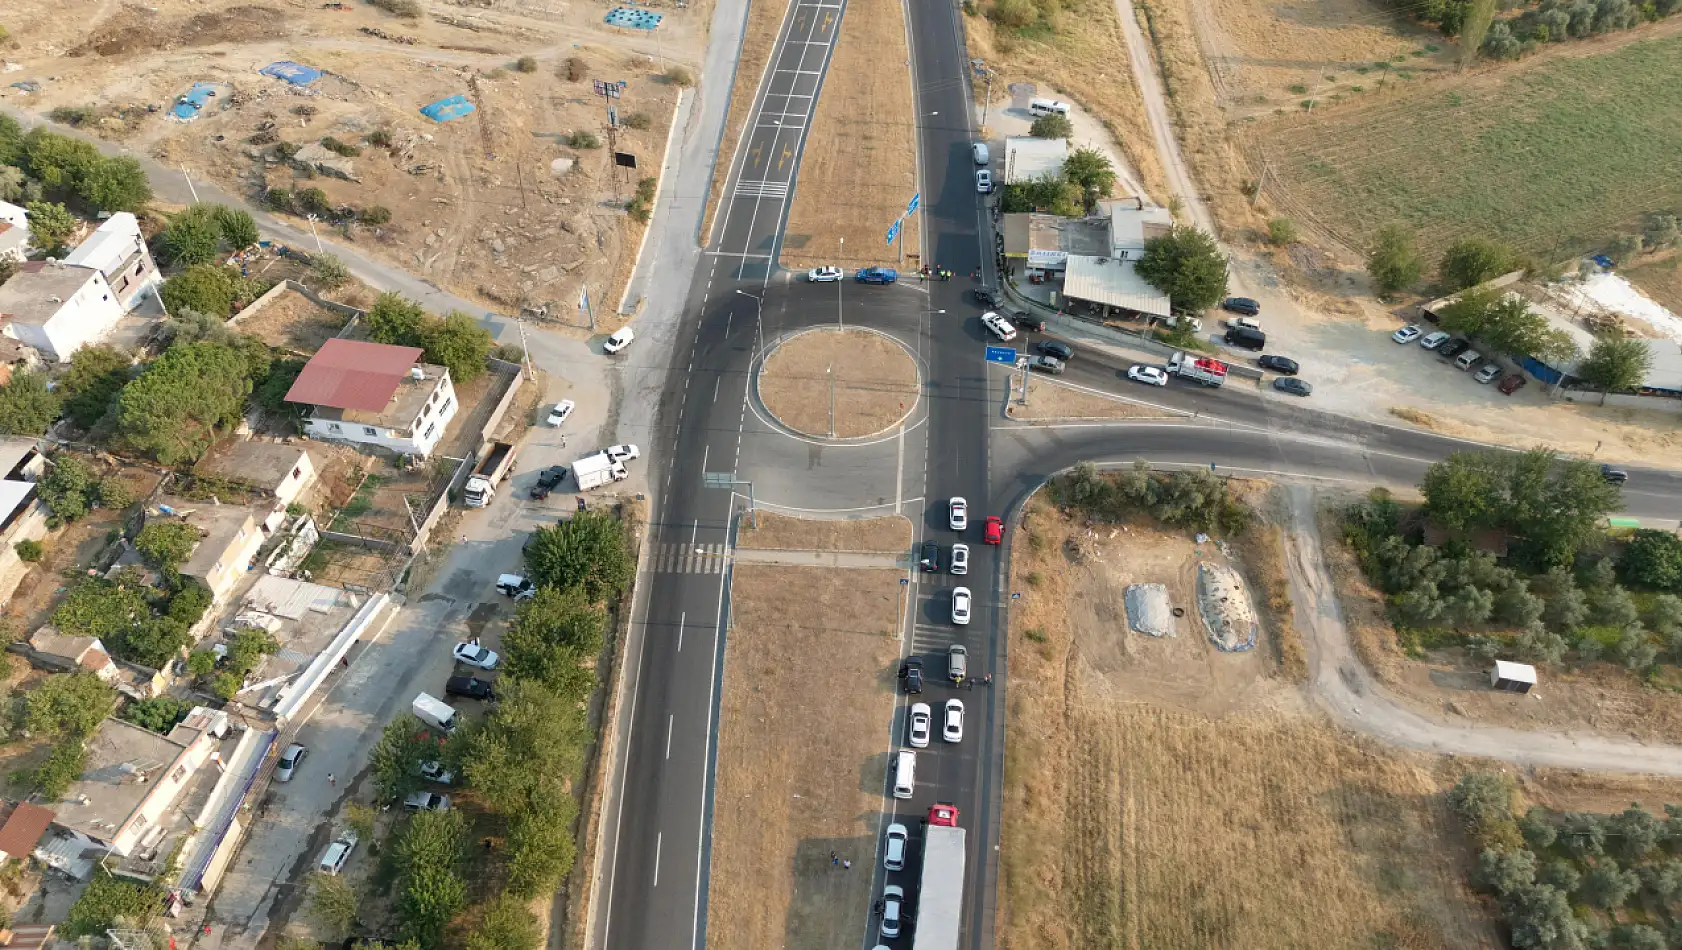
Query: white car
{"type": "Point", "coordinates": [960, 559]}
{"type": "Point", "coordinates": [473, 654]}
{"type": "Point", "coordinates": [1434, 340]}
{"type": "Point", "coordinates": [1488, 373]}
{"type": "Point", "coordinates": [824, 275]}
{"type": "Point", "coordinates": [998, 326]}
{"type": "Point", "coordinates": [958, 517]}
{"type": "Point", "coordinates": [434, 771]}
{"type": "Point", "coordinates": [1407, 334]}
{"type": "Point", "coordinates": [289, 761]}
{"type": "Point", "coordinates": [893, 896]}
{"type": "Point", "coordinates": [919, 724]}
{"type": "Point", "coordinates": [622, 453]}
{"type": "Point", "coordinates": [1149, 375]}
{"type": "Point", "coordinates": [960, 605]}
{"type": "Point", "coordinates": [952, 729]}
{"type": "Point", "coordinates": [562, 410]}
{"type": "Point", "coordinates": [984, 181]}
{"type": "Point", "coordinates": [893, 851]}
{"type": "Point", "coordinates": [334, 858]}
{"type": "Point", "coordinates": [619, 340]}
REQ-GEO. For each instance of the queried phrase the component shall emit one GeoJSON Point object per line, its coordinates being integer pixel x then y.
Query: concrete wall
{"type": "Point", "coordinates": [344, 310]}
{"type": "Point", "coordinates": [30, 526]}
{"type": "Point", "coordinates": [465, 468]}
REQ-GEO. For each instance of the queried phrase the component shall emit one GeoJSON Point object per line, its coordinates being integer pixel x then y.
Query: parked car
{"type": "Point", "coordinates": [1283, 365]}
{"type": "Point", "coordinates": [289, 762]}
{"type": "Point", "coordinates": [1149, 375]}
{"type": "Point", "coordinates": [960, 605]}
{"type": "Point", "coordinates": [1407, 334]}
{"type": "Point", "coordinates": [823, 275]}
{"type": "Point", "coordinates": [333, 859]}
{"type": "Point", "coordinates": [547, 481]}
{"type": "Point", "coordinates": [434, 771]}
{"type": "Point", "coordinates": [1616, 476]}
{"type": "Point", "coordinates": [623, 453]}
{"type": "Point", "coordinates": [1487, 373]}
{"type": "Point", "coordinates": [1046, 364]}
{"type": "Point", "coordinates": [911, 674]}
{"type": "Point", "coordinates": [1028, 321]}
{"type": "Point", "coordinates": [894, 847]}
{"type": "Point", "coordinates": [427, 801]}
{"type": "Point", "coordinates": [952, 726]}
{"type": "Point", "coordinates": [1433, 340]}
{"type": "Point", "coordinates": [1057, 348]}
{"type": "Point", "coordinates": [983, 181]}
{"type": "Point", "coordinates": [876, 275]}
{"type": "Point", "coordinates": [619, 340]}
{"type": "Point", "coordinates": [957, 658]}
{"type": "Point", "coordinates": [1453, 348]}
{"type": "Point", "coordinates": [918, 725]}
{"type": "Point", "coordinates": [1292, 385]}
{"type": "Point", "coordinates": [1247, 338]}
{"type": "Point", "coordinates": [929, 560]}
{"type": "Point", "coordinates": [987, 296]}
{"type": "Point", "coordinates": [1511, 384]}
{"type": "Point", "coordinates": [1243, 305]}
{"type": "Point", "coordinates": [998, 326]}
{"type": "Point", "coordinates": [469, 687]}
{"type": "Point", "coordinates": [957, 514]}
{"type": "Point", "coordinates": [960, 559]}
{"type": "Point", "coordinates": [994, 533]}
{"type": "Point", "coordinates": [515, 586]}
{"type": "Point", "coordinates": [562, 410]}
{"type": "Point", "coordinates": [472, 654]}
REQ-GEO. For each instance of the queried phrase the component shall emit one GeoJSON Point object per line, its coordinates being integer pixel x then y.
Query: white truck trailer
{"type": "Point", "coordinates": [940, 897]}
{"type": "Point", "coordinates": [594, 471]}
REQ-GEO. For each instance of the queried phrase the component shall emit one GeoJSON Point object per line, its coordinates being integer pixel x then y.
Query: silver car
{"type": "Point", "coordinates": [289, 762]}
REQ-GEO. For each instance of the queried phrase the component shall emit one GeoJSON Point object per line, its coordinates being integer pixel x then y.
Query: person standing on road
{"type": "Point", "coordinates": [331, 781]}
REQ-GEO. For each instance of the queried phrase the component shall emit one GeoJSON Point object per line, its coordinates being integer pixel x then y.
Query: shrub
{"type": "Point", "coordinates": [27, 406]}
{"type": "Point", "coordinates": [280, 199]}
{"type": "Point", "coordinates": [526, 64]}
{"type": "Point", "coordinates": [285, 151]}
{"type": "Point", "coordinates": [1053, 125]}
{"type": "Point", "coordinates": [680, 76]}
{"type": "Point", "coordinates": [73, 116]}
{"type": "Point", "coordinates": [574, 69]}
{"type": "Point", "coordinates": [374, 216]}
{"type": "Point", "coordinates": [30, 551]}
{"type": "Point", "coordinates": [114, 494]}
{"type": "Point", "coordinates": [312, 201]}
{"type": "Point", "coordinates": [206, 288]}
{"type": "Point", "coordinates": [337, 147]}
{"type": "Point", "coordinates": [380, 138]}
{"type": "Point", "coordinates": [239, 228]}
{"type": "Point", "coordinates": [329, 272]}
{"type": "Point", "coordinates": [583, 139]}
{"type": "Point", "coordinates": [1281, 231]}
{"type": "Point", "coordinates": [192, 237]}
{"type": "Point", "coordinates": [407, 9]}
{"type": "Point", "coordinates": [637, 120]}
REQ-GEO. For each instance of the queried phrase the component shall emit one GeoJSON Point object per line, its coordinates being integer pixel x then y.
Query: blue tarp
{"type": "Point", "coordinates": [187, 107]}
{"type": "Point", "coordinates": [633, 18]}
{"type": "Point", "coordinates": [295, 73]}
{"type": "Point", "coordinates": [446, 109]}
{"type": "Point", "coordinates": [1540, 370]}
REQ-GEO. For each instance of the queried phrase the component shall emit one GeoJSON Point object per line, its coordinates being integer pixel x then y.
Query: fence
{"type": "Point", "coordinates": [343, 310]}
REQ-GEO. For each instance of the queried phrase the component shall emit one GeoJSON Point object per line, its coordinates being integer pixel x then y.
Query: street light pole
{"type": "Point", "coordinates": [758, 321]}
{"type": "Point", "coordinates": [988, 74]}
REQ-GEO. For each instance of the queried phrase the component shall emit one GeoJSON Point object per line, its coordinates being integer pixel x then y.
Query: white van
{"type": "Point", "coordinates": [905, 774]}
{"type": "Point", "coordinates": [979, 150]}
{"type": "Point", "coordinates": [619, 340]}
{"type": "Point", "coordinates": [1039, 107]}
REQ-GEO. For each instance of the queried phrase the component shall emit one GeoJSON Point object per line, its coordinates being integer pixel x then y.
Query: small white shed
{"type": "Point", "coordinates": [1512, 677]}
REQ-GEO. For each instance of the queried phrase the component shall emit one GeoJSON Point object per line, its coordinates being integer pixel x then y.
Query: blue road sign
{"type": "Point", "coordinates": [916, 200]}
{"type": "Point", "coordinates": [893, 232]}
{"type": "Point", "coordinates": [1001, 354]}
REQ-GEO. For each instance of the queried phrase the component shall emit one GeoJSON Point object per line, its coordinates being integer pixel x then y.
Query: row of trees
{"type": "Point", "coordinates": [1394, 262]}
{"type": "Point", "coordinates": [1196, 499]}
{"type": "Point", "coordinates": [1504, 323]}
{"type": "Point", "coordinates": [525, 758]}
{"type": "Point", "coordinates": [455, 341]}
{"type": "Point", "coordinates": [1574, 880]}
{"type": "Point", "coordinates": [1555, 21]}
{"type": "Point", "coordinates": [70, 169]}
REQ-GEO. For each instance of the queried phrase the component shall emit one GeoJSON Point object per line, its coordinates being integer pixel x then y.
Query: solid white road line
{"type": "Point", "coordinates": [657, 837]}
{"type": "Point", "coordinates": [668, 735]}
{"type": "Point", "coordinates": [680, 619]}
{"type": "Point", "coordinates": [706, 745]}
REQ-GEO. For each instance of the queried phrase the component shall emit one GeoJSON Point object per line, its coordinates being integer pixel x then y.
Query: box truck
{"type": "Point", "coordinates": [435, 712]}
{"type": "Point", "coordinates": [481, 485]}
{"type": "Point", "coordinates": [594, 471]}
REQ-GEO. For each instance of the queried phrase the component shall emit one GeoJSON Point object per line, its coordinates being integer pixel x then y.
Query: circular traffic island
{"type": "Point", "coordinates": [839, 384]}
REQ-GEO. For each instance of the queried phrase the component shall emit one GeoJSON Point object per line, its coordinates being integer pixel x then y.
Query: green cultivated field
{"type": "Point", "coordinates": [1552, 158]}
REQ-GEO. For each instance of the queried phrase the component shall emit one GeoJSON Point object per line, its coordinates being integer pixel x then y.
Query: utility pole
{"type": "Point", "coordinates": [758, 323]}
{"type": "Point", "coordinates": [988, 75]}
{"type": "Point", "coordinates": [525, 347]}
{"type": "Point", "coordinates": [190, 187]}
{"type": "Point", "coordinates": [1022, 364]}
{"type": "Point", "coordinates": [610, 91]}
{"type": "Point", "coordinates": [311, 218]}
{"type": "Point", "coordinates": [584, 298]}
{"type": "Point", "coordinates": [831, 373]}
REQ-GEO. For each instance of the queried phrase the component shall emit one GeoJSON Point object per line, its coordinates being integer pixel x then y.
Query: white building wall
{"type": "Point", "coordinates": [83, 319]}
{"type": "Point", "coordinates": [434, 420]}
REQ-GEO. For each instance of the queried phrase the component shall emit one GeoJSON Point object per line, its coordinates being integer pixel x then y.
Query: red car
{"type": "Point", "coordinates": [1511, 384]}
{"type": "Point", "coordinates": [995, 533]}
{"type": "Point", "coordinates": [944, 814]}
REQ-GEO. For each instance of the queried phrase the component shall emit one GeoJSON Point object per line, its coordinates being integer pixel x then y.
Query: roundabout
{"type": "Point", "coordinates": [838, 384]}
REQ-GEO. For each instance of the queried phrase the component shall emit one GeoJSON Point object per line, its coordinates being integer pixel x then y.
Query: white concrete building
{"type": "Point", "coordinates": [14, 232]}
{"type": "Point", "coordinates": [58, 308]}
{"type": "Point", "coordinates": [375, 394]}
{"type": "Point", "coordinates": [1028, 158]}
{"type": "Point", "coordinates": [1132, 223]}
{"type": "Point", "coordinates": [118, 250]}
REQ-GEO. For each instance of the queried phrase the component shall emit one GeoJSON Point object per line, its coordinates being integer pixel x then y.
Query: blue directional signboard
{"type": "Point", "coordinates": [1001, 354]}
{"type": "Point", "coordinates": [916, 200]}
{"type": "Point", "coordinates": [893, 232]}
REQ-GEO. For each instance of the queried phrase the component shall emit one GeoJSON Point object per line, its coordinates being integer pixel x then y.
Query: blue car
{"type": "Point", "coordinates": [876, 275]}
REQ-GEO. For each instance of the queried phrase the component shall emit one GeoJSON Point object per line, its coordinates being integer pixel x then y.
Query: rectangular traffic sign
{"type": "Point", "coordinates": [893, 232]}
{"type": "Point", "coordinates": [1001, 354]}
{"type": "Point", "coordinates": [916, 200]}
{"type": "Point", "coordinates": [718, 479]}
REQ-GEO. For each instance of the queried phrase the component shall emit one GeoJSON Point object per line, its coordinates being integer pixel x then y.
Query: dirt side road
{"type": "Point", "coordinates": [1341, 686]}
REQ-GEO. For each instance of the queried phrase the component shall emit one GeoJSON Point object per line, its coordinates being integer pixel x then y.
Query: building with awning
{"type": "Point", "coordinates": [1111, 283]}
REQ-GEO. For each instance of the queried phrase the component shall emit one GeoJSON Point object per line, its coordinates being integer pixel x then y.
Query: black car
{"type": "Point", "coordinates": [1616, 476]}
{"type": "Point", "coordinates": [987, 296]}
{"type": "Point", "coordinates": [1241, 305]}
{"type": "Point", "coordinates": [1292, 385]}
{"type": "Point", "coordinates": [911, 672]}
{"type": "Point", "coordinates": [547, 481]}
{"type": "Point", "coordinates": [1028, 321]}
{"type": "Point", "coordinates": [1453, 348]}
{"type": "Point", "coordinates": [929, 561]}
{"type": "Point", "coordinates": [471, 687]}
{"type": "Point", "coordinates": [1057, 348]}
{"type": "Point", "coordinates": [1282, 365]}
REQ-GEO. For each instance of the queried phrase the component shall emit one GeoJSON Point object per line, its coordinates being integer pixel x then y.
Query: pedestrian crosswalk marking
{"type": "Point", "coordinates": [674, 558]}
{"type": "Point", "coordinates": [762, 189]}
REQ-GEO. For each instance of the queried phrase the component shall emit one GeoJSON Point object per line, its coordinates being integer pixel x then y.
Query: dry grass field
{"type": "Point", "coordinates": [845, 384]}
{"type": "Point", "coordinates": [1161, 794]}
{"type": "Point", "coordinates": [1660, 279]}
{"type": "Point", "coordinates": [783, 533]}
{"type": "Point", "coordinates": [800, 771]}
{"type": "Point", "coordinates": [859, 167]}
{"type": "Point", "coordinates": [1048, 399]}
{"type": "Point", "coordinates": [1551, 155]}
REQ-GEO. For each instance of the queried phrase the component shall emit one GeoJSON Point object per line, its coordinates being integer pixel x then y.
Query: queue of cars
{"type": "Point", "coordinates": [1460, 353]}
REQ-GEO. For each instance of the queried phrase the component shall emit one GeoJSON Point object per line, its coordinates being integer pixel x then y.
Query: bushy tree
{"type": "Point", "coordinates": [1664, 879]}
{"type": "Point", "coordinates": [1560, 874]}
{"type": "Point", "coordinates": [540, 845]}
{"type": "Point", "coordinates": [192, 237]}
{"type": "Point", "coordinates": [1634, 648]}
{"type": "Point", "coordinates": [588, 551]}
{"type": "Point", "coordinates": [1539, 832]}
{"type": "Point", "coordinates": [430, 887]}
{"type": "Point", "coordinates": [67, 488]}
{"type": "Point", "coordinates": [67, 705]}
{"type": "Point", "coordinates": [1542, 919]}
{"type": "Point", "coordinates": [1050, 194]}
{"type": "Point", "coordinates": [1052, 125]}
{"type": "Point", "coordinates": [1091, 171]}
{"type": "Point", "coordinates": [1537, 644]}
{"type": "Point", "coordinates": [333, 903]}
{"type": "Point", "coordinates": [95, 378]}
{"type": "Point", "coordinates": [238, 228]}
{"type": "Point", "coordinates": [555, 639]}
{"type": "Point", "coordinates": [458, 343]}
{"type": "Point", "coordinates": [1472, 261]}
{"type": "Point", "coordinates": [1607, 886]}
{"type": "Point", "coordinates": [1393, 263]}
{"type": "Point", "coordinates": [1553, 506]}
{"type": "Point", "coordinates": [1504, 872]}
{"type": "Point", "coordinates": [50, 225]}
{"type": "Point", "coordinates": [1281, 231]}
{"type": "Point", "coordinates": [1516, 606]}
{"type": "Point", "coordinates": [27, 406]}
{"type": "Point", "coordinates": [204, 288]}
{"type": "Point", "coordinates": [115, 184]}
{"type": "Point", "coordinates": [1635, 833]}
{"type": "Point", "coordinates": [1500, 43]}
{"type": "Point", "coordinates": [109, 898]}
{"type": "Point", "coordinates": [1583, 834]}
{"type": "Point", "coordinates": [395, 320]}
{"type": "Point", "coordinates": [1187, 265]}
{"type": "Point", "coordinates": [1484, 801]}
{"type": "Point", "coordinates": [506, 925]}
{"type": "Point", "coordinates": [58, 161]}
{"type": "Point", "coordinates": [1616, 364]}
{"type": "Point", "coordinates": [396, 758]}
{"type": "Point", "coordinates": [1565, 604]}
{"type": "Point", "coordinates": [329, 272]}
{"type": "Point", "coordinates": [1612, 607]}
{"type": "Point", "coordinates": [1637, 937]}
{"type": "Point", "coordinates": [172, 411]}
{"type": "Point", "coordinates": [166, 545]}
{"type": "Point", "coordinates": [159, 714]}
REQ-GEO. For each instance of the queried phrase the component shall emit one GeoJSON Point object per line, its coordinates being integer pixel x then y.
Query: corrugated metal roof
{"type": "Point", "coordinates": [1114, 282]}
{"type": "Point", "coordinates": [350, 374]}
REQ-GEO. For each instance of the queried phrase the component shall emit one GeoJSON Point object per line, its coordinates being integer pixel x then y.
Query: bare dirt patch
{"type": "Point", "coordinates": [293, 322]}
{"type": "Point", "coordinates": [800, 771]}
{"type": "Point", "coordinates": [1048, 399]}
{"type": "Point", "coordinates": [1448, 685]}
{"type": "Point", "coordinates": [859, 167]}
{"type": "Point", "coordinates": [1163, 794]}
{"type": "Point", "coordinates": [783, 533]}
{"type": "Point", "coordinates": [839, 383]}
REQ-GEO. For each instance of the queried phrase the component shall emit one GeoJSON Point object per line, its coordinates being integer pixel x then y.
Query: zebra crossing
{"type": "Point", "coordinates": [774, 190]}
{"type": "Point", "coordinates": [934, 638]}
{"type": "Point", "coordinates": [675, 558]}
